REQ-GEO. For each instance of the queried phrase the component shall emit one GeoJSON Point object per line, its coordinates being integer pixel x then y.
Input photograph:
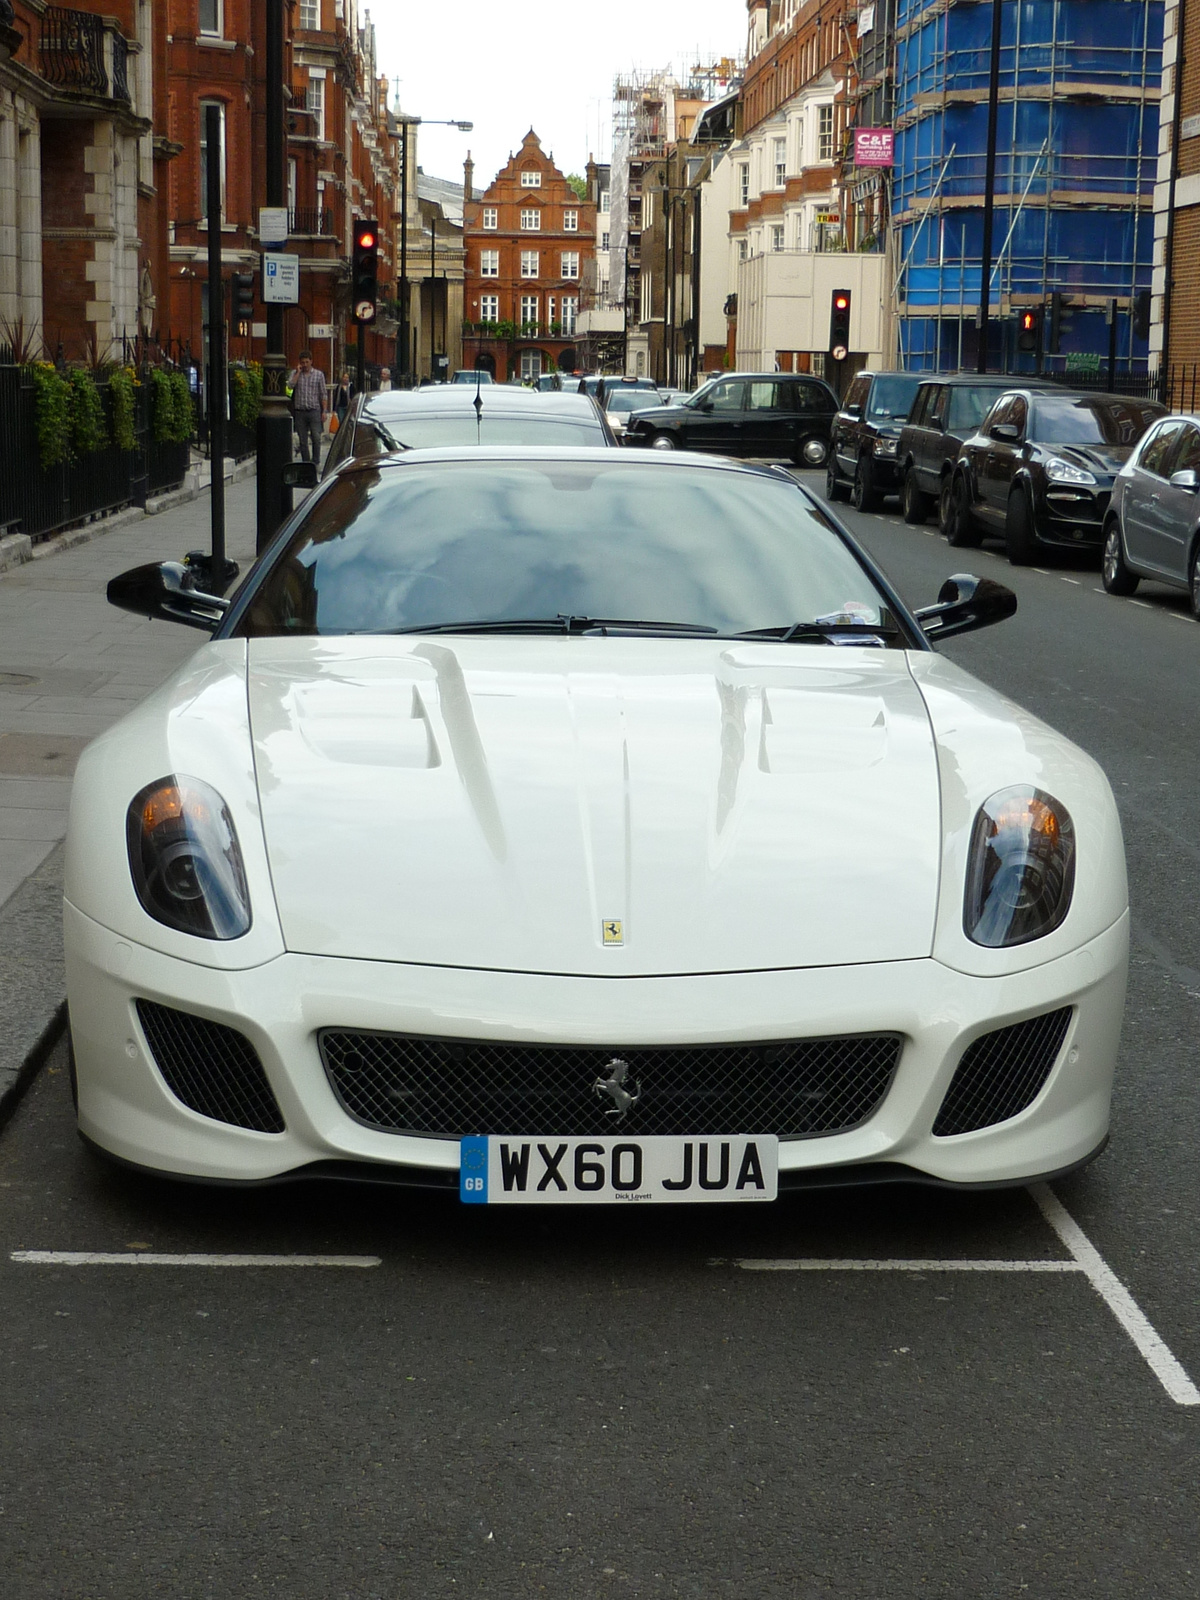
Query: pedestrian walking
{"type": "Point", "coordinates": [385, 380]}
{"type": "Point", "coordinates": [343, 393]}
{"type": "Point", "coordinates": [310, 402]}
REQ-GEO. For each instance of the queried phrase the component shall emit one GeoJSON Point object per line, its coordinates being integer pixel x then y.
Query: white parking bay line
{"type": "Point", "coordinates": [152, 1258]}
{"type": "Point", "coordinates": [1117, 1297]}
{"type": "Point", "coordinates": [1076, 581]}
{"type": "Point", "coordinates": [816, 1264]}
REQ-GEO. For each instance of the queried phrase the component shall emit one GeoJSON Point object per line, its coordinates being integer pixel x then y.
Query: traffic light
{"type": "Point", "coordinates": [243, 297]}
{"type": "Point", "coordinates": [1030, 328]}
{"type": "Point", "coordinates": [1056, 322]}
{"type": "Point", "coordinates": [1140, 308]}
{"type": "Point", "coordinates": [364, 271]}
{"type": "Point", "coordinates": [839, 325]}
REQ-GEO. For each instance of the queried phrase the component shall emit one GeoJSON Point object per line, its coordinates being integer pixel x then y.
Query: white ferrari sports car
{"type": "Point", "coordinates": [566, 826]}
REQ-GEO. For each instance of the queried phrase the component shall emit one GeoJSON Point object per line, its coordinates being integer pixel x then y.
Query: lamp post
{"type": "Point", "coordinates": [403, 339]}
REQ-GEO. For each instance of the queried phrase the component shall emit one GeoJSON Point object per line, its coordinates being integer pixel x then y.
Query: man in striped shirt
{"type": "Point", "coordinates": [310, 402]}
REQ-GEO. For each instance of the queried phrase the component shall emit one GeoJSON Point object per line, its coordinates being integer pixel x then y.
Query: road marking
{"type": "Point", "coordinates": [1075, 581]}
{"type": "Point", "coordinates": [815, 1264]}
{"type": "Point", "coordinates": [1042, 570]}
{"type": "Point", "coordinates": [1117, 1298]}
{"type": "Point", "coordinates": [1145, 604]}
{"type": "Point", "coordinates": [150, 1258]}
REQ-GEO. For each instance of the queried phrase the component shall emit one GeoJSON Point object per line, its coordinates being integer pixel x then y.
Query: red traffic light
{"type": "Point", "coordinates": [366, 241]}
{"type": "Point", "coordinates": [841, 301]}
{"type": "Point", "coordinates": [1028, 321]}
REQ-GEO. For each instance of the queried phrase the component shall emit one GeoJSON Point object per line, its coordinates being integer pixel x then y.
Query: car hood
{"type": "Point", "coordinates": [653, 413]}
{"type": "Point", "coordinates": [500, 803]}
{"type": "Point", "coordinates": [1103, 460]}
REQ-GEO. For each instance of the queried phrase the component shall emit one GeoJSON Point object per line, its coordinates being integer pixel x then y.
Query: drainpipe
{"type": "Point", "coordinates": [1169, 246]}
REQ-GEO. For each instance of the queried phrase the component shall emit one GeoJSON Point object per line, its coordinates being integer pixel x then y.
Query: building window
{"type": "Point", "coordinates": [646, 307]}
{"type": "Point", "coordinates": [604, 245]}
{"type": "Point", "coordinates": [210, 17]}
{"type": "Point", "coordinates": [780, 163]}
{"type": "Point", "coordinates": [531, 221]}
{"type": "Point", "coordinates": [550, 311]}
{"type": "Point", "coordinates": [743, 184]}
{"type": "Point", "coordinates": [530, 179]}
{"type": "Point", "coordinates": [743, 249]}
{"type": "Point", "coordinates": [777, 237]}
{"type": "Point", "coordinates": [291, 186]}
{"type": "Point", "coordinates": [825, 133]}
{"type": "Point", "coordinates": [310, 15]}
{"type": "Point", "coordinates": [489, 263]}
{"type": "Point", "coordinates": [604, 203]}
{"type": "Point", "coordinates": [531, 366]}
{"type": "Point", "coordinates": [529, 310]}
{"type": "Point", "coordinates": [570, 222]}
{"type": "Point", "coordinates": [570, 263]}
{"type": "Point", "coordinates": [316, 104]}
{"type": "Point", "coordinates": [529, 263]}
{"type": "Point", "coordinates": [570, 310]}
{"type": "Point", "coordinates": [491, 217]}
{"type": "Point", "coordinates": [489, 308]}
{"type": "Point", "coordinates": [204, 105]}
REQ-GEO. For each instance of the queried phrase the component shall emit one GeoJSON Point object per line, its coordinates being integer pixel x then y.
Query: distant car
{"type": "Point", "coordinates": [1152, 528]}
{"type": "Point", "coordinates": [620, 406]}
{"type": "Point", "coordinates": [1040, 470]}
{"type": "Point", "coordinates": [947, 411]}
{"type": "Point", "coordinates": [424, 419]}
{"type": "Point", "coordinates": [863, 464]}
{"type": "Point", "coordinates": [472, 375]}
{"type": "Point", "coordinates": [762, 414]}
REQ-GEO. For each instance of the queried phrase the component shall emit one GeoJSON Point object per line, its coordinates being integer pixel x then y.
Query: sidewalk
{"type": "Point", "coordinates": [70, 665]}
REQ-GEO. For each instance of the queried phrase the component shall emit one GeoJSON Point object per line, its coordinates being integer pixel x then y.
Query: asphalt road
{"type": "Point", "coordinates": [581, 1404]}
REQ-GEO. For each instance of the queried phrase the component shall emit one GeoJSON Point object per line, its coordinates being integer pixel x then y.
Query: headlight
{"type": "Point", "coordinates": [885, 445]}
{"type": "Point", "coordinates": [1059, 471]}
{"type": "Point", "coordinates": [1021, 869]}
{"type": "Point", "coordinates": [185, 859]}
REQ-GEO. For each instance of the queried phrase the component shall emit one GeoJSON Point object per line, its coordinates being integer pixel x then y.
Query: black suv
{"type": "Point", "coordinates": [772, 414]}
{"type": "Point", "coordinates": [866, 432]}
{"type": "Point", "coordinates": [1040, 470]}
{"type": "Point", "coordinates": [946, 412]}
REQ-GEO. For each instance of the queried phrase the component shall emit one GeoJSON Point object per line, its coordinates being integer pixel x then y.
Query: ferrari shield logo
{"type": "Point", "coordinates": [613, 933]}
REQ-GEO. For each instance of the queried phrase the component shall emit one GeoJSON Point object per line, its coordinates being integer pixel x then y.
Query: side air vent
{"type": "Point", "coordinates": [213, 1069]}
{"type": "Point", "coordinates": [1002, 1073]}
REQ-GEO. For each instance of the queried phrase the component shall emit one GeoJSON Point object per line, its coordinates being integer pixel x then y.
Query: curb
{"type": "Point", "coordinates": [33, 1010]}
{"type": "Point", "coordinates": [13, 1092]}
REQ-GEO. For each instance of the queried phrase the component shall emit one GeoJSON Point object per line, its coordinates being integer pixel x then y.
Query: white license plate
{"type": "Point", "coordinates": [528, 1170]}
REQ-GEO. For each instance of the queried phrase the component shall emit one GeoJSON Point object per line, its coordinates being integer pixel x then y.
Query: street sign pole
{"type": "Point", "coordinates": [216, 345]}
{"type": "Point", "coordinates": [274, 419]}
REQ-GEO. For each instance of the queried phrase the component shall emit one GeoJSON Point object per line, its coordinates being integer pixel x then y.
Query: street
{"type": "Point", "coordinates": [705, 1403]}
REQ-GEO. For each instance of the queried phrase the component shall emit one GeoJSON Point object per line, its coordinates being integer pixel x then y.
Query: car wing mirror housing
{"type": "Point", "coordinates": [854, 410]}
{"type": "Point", "coordinates": [166, 591]}
{"type": "Point", "coordinates": [1188, 478]}
{"type": "Point", "coordinates": [300, 475]}
{"type": "Point", "coordinates": [965, 603]}
{"type": "Point", "coordinates": [1007, 431]}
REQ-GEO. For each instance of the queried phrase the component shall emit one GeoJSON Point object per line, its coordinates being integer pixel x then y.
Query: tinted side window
{"type": "Point", "coordinates": [765, 396]}
{"type": "Point", "coordinates": [857, 395]}
{"type": "Point", "coordinates": [941, 401]}
{"type": "Point", "coordinates": [727, 396]}
{"type": "Point", "coordinates": [1154, 457]}
{"type": "Point", "coordinates": [1020, 413]}
{"type": "Point", "coordinates": [922, 404]}
{"type": "Point", "coordinates": [810, 398]}
{"type": "Point", "coordinates": [1003, 412]}
{"type": "Point", "coordinates": [1187, 455]}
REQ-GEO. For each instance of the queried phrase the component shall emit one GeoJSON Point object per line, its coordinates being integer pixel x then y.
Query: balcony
{"type": "Point", "coordinates": [79, 54]}
{"type": "Point", "coordinates": [313, 221]}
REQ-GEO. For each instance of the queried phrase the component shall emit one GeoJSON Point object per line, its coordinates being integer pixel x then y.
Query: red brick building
{"type": "Point", "coordinates": [529, 239]}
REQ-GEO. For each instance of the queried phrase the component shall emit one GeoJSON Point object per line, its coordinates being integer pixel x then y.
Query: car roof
{"type": "Point", "coordinates": [461, 397]}
{"type": "Point", "coordinates": [990, 380]}
{"type": "Point", "coordinates": [638, 460]}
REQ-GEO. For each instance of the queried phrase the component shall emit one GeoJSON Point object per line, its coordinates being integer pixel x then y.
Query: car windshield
{"type": "Point", "coordinates": [1093, 421]}
{"type": "Point", "coordinates": [446, 430]}
{"type": "Point", "coordinates": [431, 544]}
{"type": "Point", "coordinates": [892, 396]}
{"type": "Point", "coordinates": [969, 406]}
{"type": "Point", "coordinates": [625, 400]}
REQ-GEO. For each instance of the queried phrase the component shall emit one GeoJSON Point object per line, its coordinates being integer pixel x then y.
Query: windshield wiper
{"type": "Point", "coordinates": [387, 438]}
{"type": "Point", "coordinates": [560, 624]}
{"type": "Point", "coordinates": [789, 632]}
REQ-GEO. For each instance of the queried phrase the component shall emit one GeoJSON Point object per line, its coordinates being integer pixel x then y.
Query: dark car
{"type": "Point", "coordinates": [424, 419]}
{"type": "Point", "coordinates": [863, 462]}
{"type": "Point", "coordinates": [946, 412]}
{"type": "Point", "coordinates": [1153, 525]}
{"type": "Point", "coordinates": [1040, 470]}
{"type": "Point", "coordinates": [766, 414]}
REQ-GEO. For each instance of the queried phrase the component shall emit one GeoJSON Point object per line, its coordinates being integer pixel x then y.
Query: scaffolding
{"type": "Point", "coordinates": [1075, 170]}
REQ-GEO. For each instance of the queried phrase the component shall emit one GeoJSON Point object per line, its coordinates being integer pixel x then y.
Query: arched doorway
{"type": "Point", "coordinates": [486, 362]}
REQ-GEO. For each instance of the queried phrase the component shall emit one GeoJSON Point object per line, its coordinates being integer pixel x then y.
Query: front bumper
{"type": "Point", "coordinates": [126, 1109]}
{"type": "Point", "coordinates": [1072, 515]}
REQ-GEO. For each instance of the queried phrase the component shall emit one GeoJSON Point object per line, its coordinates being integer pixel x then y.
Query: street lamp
{"type": "Point", "coordinates": [403, 341]}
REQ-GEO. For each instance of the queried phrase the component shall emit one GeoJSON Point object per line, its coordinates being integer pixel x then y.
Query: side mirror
{"type": "Point", "coordinates": [300, 475]}
{"type": "Point", "coordinates": [854, 411]}
{"type": "Point", "coordinates": [965, 603]}
{"type": "Point", "coordinates": [1007, 431]}
{"type": "Point", "coordinates": [1188, 479]}
{"type": "Point", "coordinates": [705, 406]}
{"type": "Point", "coordinates": [163, 590]}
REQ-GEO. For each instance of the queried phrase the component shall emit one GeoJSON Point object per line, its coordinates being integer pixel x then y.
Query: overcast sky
{"type": "Point", "coordinates": [507, 65]}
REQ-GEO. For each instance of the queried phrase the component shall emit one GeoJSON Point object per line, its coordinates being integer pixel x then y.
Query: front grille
{"type": "Point", "coordinates": [448, 1088]}
{"type": "Point", "coordinates": [213, 1069]}
{"type": "Point", "coordinates": [1002, 1073]}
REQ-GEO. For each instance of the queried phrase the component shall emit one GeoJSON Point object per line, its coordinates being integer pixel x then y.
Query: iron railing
{"type": "Point", "coordinates": [71, 48]}
{"type": "Point", "coordinates": [311, 220]}
{"type": "Point", "coordinates": [120, 69]}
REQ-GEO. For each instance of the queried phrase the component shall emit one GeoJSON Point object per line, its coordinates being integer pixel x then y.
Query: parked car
{"type": "Point", "coordinates": [621, 405]}
{"type": "Point", "coordinates": [412, 419]}
{"type": "Point", "coordinates": [776, 415]}
{"type": "Point", "coordinates": [439, 840]}
{"type": "Point", "coordinates": [1152, 529]}
{"type": "Point", "coordinates": [863, 463]}
{"type": "Point", "coordinates": [946, 412]}
{"type": "Point", "coordinates": [1040, 470]}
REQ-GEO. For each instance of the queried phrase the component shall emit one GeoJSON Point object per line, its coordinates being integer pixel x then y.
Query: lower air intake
{"type": "Point", "coordinates": [448, 1088]}
{"type": "Point", "coordinates": [1002, 1073]}
{"type": "Point", "coordinates": [213, 1069]}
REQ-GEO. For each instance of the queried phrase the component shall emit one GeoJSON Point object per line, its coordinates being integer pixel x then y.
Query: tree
{"type": "Point", "coordinates": [578, 184]}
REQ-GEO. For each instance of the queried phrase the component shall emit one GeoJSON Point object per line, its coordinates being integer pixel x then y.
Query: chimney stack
{"type": "Point", "coordinates": [468, 177]}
